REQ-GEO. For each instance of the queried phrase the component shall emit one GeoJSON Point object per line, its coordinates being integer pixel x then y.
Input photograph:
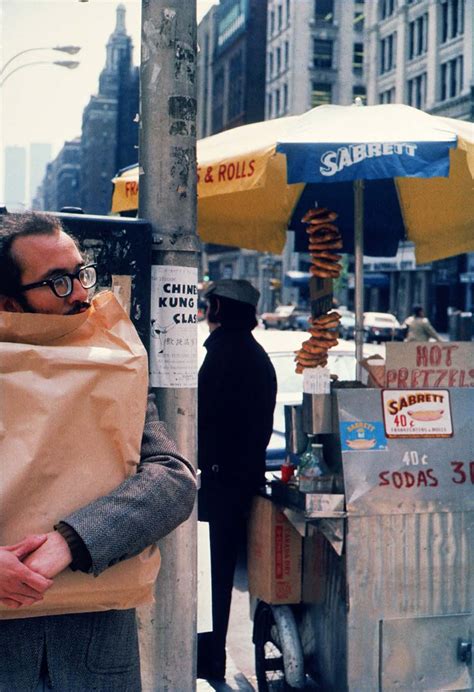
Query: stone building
{"type": "Point", "coordinates": [109, 139]}
{"type": "Point", "coordinates": [315, 52]}
{"type": "Point", "coordinates": [109, 128]}
{"type": "Point", "coordinates": [61, 183]}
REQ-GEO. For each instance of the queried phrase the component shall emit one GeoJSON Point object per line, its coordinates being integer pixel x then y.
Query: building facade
{"type": "Point", "coordinates": [40, 156]}
{"type": "Point", "coordinates": [61, 186]}
{"type": "Point", "coordinates": [81, 175]}
{"type": "Point", "coordinates": [109, 126]}
{"type": "Point", "coordinates": [206, 39]}
{"type": "Point", "coordinates": [420, 52]}
{"type": "Point", "coordinates": [315, 53]}
{"type": "Point", "coordinates": [238, 79]}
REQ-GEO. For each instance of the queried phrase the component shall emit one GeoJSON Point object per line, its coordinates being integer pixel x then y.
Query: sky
{"type": "Point", "coordinates": [44, 103]}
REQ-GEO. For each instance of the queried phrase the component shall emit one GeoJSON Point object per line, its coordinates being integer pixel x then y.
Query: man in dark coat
{"type": "Point", "coordinates": [236, 397]}
{"type": "Point", "coordinates": [42, 271]}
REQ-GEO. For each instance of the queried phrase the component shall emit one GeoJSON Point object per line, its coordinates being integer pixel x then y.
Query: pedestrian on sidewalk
{"type": "Point", "coordinates": [236, 398]}
{"type": "Point", "coordinates": [418, 327]}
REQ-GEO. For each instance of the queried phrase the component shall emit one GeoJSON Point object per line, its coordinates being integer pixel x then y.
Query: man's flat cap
{"type": "Point", "coordinates": [236, 289]}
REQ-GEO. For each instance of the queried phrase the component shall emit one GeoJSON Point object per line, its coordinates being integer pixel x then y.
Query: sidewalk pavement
{"type": "Point", "coordinates": [235, 681]}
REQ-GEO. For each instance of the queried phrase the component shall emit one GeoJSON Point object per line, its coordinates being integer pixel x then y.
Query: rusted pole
{"type": "Point", "coordinates": [167, 160]}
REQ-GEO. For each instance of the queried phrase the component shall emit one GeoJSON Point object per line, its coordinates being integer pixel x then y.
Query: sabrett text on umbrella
{"type": "Point", "coordinates": [344, 157]}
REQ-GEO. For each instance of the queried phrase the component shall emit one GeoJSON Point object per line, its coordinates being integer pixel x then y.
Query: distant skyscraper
{"type": "Point", "coordinates": [109, 130]}
{"type": "Point", "coordinates": [15, 178]}
{"type": "Point", "coordinates": [40, 156]}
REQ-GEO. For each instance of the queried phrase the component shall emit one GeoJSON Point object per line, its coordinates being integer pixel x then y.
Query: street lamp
{"type": "Point", "coordinates": [68, 64]}
{"type": "Point", "coordinates": [70, 50]}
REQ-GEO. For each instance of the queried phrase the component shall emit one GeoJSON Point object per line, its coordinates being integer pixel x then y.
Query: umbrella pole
{"type": "Point", "coordinates": [359, 273]}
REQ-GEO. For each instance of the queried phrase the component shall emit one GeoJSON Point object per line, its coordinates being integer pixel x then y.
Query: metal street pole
{"type": "Point", "coordinates": [358, 186]}
{"type": "Point", "coordinates": [167, 162]}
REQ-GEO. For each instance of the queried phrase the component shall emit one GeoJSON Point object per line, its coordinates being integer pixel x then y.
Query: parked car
{"type": "Point", "coordinates": [280, 319]}
{"type": "Point", "coordinates": [300, 320]}
{"type": "Point", "coordinates": [382, 326]}
{"type": "Point", "coordinates": [347, 324]}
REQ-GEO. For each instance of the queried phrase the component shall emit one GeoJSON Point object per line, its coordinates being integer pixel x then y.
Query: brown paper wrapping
{"type": "Point", "coordinates": [73, 395]}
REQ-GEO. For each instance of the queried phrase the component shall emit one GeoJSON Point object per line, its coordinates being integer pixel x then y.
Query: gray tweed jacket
{"type": "Point", "coordinates": [99, 651]}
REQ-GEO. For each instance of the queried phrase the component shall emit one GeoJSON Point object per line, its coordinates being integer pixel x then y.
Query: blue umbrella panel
{"type": "Point", "coordinates": [383, 222]}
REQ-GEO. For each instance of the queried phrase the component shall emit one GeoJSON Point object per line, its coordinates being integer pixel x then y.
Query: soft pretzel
{"type": "Point", "coordinates": [318, 213]}
{"type": "Point", "coordinates": [322, 227]}
{"type": "Point", "coordinates": [315, 245]}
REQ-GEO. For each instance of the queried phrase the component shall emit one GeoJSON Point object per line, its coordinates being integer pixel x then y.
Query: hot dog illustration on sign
{"type": "Point", "coordinates": [417, 413]}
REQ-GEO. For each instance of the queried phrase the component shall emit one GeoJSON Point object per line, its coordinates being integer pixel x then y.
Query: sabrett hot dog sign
{"type": "Point", "coordinates": [429, 365]}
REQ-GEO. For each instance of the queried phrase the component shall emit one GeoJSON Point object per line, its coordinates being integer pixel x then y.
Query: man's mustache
{"type": "Point", "coordinates": [78, 307]}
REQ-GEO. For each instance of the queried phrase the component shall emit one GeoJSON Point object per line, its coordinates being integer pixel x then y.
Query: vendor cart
{"type": "Point", "coordinates": [386, 570]}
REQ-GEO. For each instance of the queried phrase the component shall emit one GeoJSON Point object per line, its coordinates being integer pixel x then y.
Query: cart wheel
{"type": "Point", "coordinates": [269, 666]}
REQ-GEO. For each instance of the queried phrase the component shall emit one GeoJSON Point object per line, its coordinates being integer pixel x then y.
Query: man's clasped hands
{"type": "Point", "coordinates": [27, 569]}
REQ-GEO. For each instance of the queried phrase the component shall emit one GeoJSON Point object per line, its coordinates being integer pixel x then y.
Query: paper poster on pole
{"type": "Point", "coordinates": [173, 328]}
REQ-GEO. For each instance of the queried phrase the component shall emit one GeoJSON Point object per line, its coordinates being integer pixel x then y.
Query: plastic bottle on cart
{"type": "Point", "coordinates": [313, 473]}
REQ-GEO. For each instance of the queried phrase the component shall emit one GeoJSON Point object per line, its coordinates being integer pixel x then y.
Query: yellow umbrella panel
{"type": "Point", "coordinates": [439, 212]}
{"type": "Point", "coordinates": [235, 175]}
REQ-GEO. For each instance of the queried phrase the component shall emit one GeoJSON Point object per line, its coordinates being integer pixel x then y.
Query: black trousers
{"type": "Point", "coordinates": [226, 509]}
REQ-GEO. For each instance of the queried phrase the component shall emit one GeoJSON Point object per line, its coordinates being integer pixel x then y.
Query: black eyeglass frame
{"type": "Point", "coordinates": [50, 282]}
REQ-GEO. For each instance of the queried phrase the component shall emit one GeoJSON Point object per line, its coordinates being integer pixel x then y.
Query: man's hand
{"type": "Point", "coordinates": [51, 557]}
{"type": "Point", "coordinates": [20, 585]}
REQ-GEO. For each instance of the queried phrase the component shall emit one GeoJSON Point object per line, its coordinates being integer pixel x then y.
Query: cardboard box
{"type": "Point", "coordinates": [375, 369]}
{"type": "Point", "coordinates": [274, 555]}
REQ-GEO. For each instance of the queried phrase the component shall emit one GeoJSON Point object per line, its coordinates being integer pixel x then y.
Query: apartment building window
{"type": "Point", "coordinates": [452, 78]}
{"type": "Point", "coordinates": [287, 54]}
{"type": "Point", "coordinates": [218, 102]}
{"type": "Point", "coordinates": [360, 92]}
{"type": "Point", "coordinates": [322, 53]}
{"type": "Point", "coordinates": [277, 102]}
{"type": "Point", "coordinates": [288, 11]}
{"type": "Point", "coordinates": [387, 96]}
{"type": "Point", "coordinates": [452, 19]}
{"type": "Point", "coordinates": [358, 21]}
{"type": "Point", "coordinates": [417, 91]}
{"type": "Point", "coordinates": [278, 60]}
{"type": "Point", "coordinates": [321, 94]}
{"type": "Point", "coordinates": [418, 36]}
{"type": "Point", "coordinates": [324, 11]}
{"type": "Point", "coordinates": [285, 98]}
{"type": "Point", "coordinates": [280, 17]}
{"type": "Point", "coordinates": [358, 58]}
{"type": "Point", "coordinates": [386, 8]}
{"type": "Point", "coordinates": [387, 53]}
{"type": "Point", "coordinates": [269, 104]}
{"type": "Point", "coordinates": [270, 65]}
{"type": "Point", "coordinates": [236, 86]}
{"type": "Point", "coordinates": [271, 23]}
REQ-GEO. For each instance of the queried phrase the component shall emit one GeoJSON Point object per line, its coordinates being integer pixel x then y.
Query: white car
{"type": "Point", "coordinates": [381, 326]}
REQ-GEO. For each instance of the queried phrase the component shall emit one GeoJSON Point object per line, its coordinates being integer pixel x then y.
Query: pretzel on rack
{"type": "Point", "coordinates": [324, 239]}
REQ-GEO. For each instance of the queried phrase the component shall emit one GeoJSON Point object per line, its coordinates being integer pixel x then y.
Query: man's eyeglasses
{"type": "Point", "coordinates": [62, 285]}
